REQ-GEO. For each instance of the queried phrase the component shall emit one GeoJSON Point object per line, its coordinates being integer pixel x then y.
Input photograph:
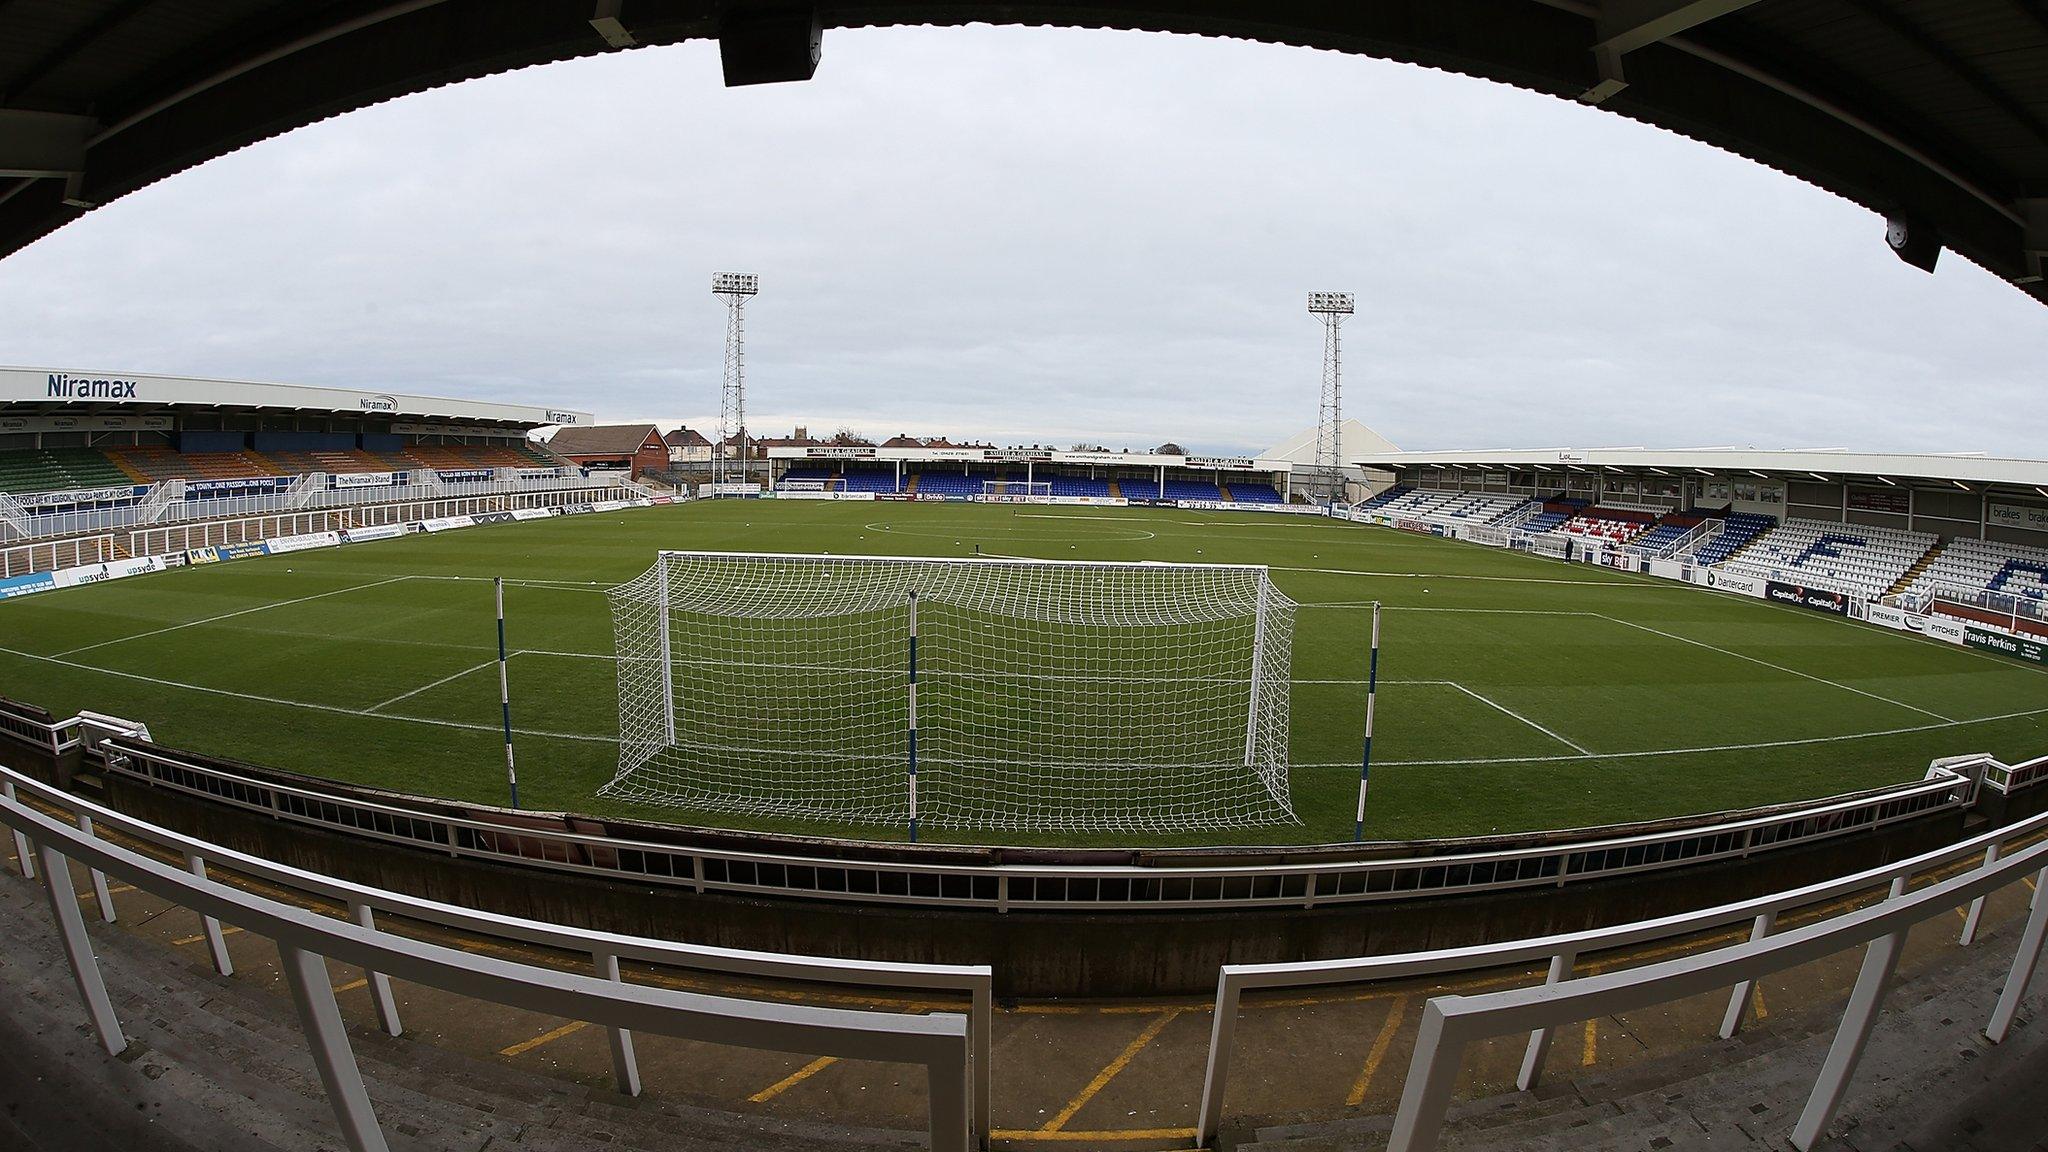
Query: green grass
{"type": "Point", "coordinates": [1517, 693]}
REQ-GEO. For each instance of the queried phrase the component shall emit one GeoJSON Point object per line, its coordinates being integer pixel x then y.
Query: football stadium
{"type": "Point", "coordinates": [384, 769]}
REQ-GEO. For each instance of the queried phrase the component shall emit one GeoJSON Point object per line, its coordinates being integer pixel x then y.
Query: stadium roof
{"type": "Point", "coordinates": [1826, 465]}
{"type": "Point", "coordinates": [58, 392]}
{"type": "Point", "coordinates": [1354, 440]}
{"type": "Point", "coordinates": [1935, 111]}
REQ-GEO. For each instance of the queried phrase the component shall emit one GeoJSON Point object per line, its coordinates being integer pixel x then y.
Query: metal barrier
{"type": "Point", "coordinates": [1017, 887]}
{"type": "Point", "coordinates": [2010, 778]}
{"type": "Point", "coordinates": [1449, 1023]}
{"type": "Point", "coordinates": [1563, 951]}
{"type": "Point", "coordinates": [22, 559]}
{"type": "Point", "coordinates": [305, 940]}
{"type": "Point", "coordinates": [216, 533]}
{"type": "Point", "coordinates": [55, 737]}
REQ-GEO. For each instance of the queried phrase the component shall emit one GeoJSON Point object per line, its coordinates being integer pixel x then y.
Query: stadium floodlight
{"type": "Point", "coordinates": [1331, 308]}
{"type": "Point", "coordinates": [1051, 696]}
{"type": "Point", "coordinates": [735, 288]}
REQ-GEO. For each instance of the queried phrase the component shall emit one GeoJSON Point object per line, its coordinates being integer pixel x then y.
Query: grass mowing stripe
{"type": "Point", "coordinates": [232, 615]}
{"type": "Point", "coordinates": [1779, 667]}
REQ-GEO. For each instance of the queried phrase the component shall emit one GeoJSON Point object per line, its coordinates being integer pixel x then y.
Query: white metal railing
{"type": "Point", "coordinates": [1057, 887]}
{"type": "Point", "coordinates": [2013, 608]}
{"type": "Point", "coordinates": [55, 737]}
{"type": "Point", "coordinates": [13, 518]}
{"type": "Point", "coordinates": [1562, 953]}
{"type": "Point", "coordinates": [306, 940]}
{"type": "Point", "coordinates": [215, 533]}
{"type": "Point", "coordinates": [22, 559]}
{"type": "Point", "coordinates": [159, 501]}
{"type": "Point", "coordinates": [1695, 536]}
{"type": "Point", "coordinates": [2010, 778]}
{"type": "Point", "coordinates": [301, 492]}
{"type": "Point", "coordinates": [1449, 1023]}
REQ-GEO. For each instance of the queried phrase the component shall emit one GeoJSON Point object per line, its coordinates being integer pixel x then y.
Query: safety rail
{"type": "Point", "coordinates": [55, 737]}
{"type": "Point", "coordinates": [217, 533]}
{"type": "Point", "coordinates": [306, 940]}
{"type": "Point", "coordinates": [76, 552]}
{"type": "Point", "coordinates": [1449, 1023]}
{"type": "Point", "coordinates": [1014, 887]}
{"type": "Point", "coordinates": [1562, 953]}
{"type": "Point", "coordinates": [2010, 778]}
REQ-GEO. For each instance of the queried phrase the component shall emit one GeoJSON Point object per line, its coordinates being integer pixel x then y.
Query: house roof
{"type": "Point", "coordinates": [686, 438]}
{"type": "Point", "coordinates": [604, 440]}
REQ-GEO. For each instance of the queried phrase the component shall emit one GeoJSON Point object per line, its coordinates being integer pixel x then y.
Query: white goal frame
{"type": "Point", "coordinates": [1057, 696]}
{"type": "Point", "coordinates": [1020, 491]}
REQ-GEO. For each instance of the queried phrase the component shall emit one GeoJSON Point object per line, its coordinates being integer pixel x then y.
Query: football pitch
{"type": "Point", "coordinates": [1515, 692]}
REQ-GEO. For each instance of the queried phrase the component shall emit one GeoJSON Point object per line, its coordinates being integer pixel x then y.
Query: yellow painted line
{"type": "Point", "coordinates": [1380, 1044]}
{"type": "Point", "coordinates": [792, 1080]}
{"type": "Point", "coordinates": [1756, 997]}
{"type": "Point", "coordinates": [230, 930]}
{"type": "Point", "coordinates": [525, 1046]}
{"type": "Point", "coordinates": [1592, 1052]}
{"type": "Point", "coordinates": [1109, 1072]}
{"type": "Point", "coordinates": [1110, 1137]}
{"type": "Point", "coordinates": [352, 985]}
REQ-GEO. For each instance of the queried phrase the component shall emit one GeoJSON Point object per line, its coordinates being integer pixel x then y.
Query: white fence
{"type": "Point", "coordinates": [49, 556]}
{"type": "Point", "coordinates": [216, 533]}
{"type": "Point", "coordinates": [1451, 1022]}
{"type": "Point", "coordinates": [944, 1044]}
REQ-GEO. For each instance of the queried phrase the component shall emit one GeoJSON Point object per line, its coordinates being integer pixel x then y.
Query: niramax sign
{"type": "Point", "coordinates": [63, 387]}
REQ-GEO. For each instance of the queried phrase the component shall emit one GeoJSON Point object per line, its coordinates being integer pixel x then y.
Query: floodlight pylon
{"type": "Point", "coordinates": [1330, 308]}
{"type": "Point", "coordinates": [735, 288]}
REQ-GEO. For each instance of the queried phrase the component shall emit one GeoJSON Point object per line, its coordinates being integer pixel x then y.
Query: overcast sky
{"type": "Point", "coordinates": [1046, 236]}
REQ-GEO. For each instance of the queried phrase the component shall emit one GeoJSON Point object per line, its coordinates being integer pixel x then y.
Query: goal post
{"type": "Point", "coordinates": [1050, 696]}
{"type": "Point", "coordinates": [1017, 490]}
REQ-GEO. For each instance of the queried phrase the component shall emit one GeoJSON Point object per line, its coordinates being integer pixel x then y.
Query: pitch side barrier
{"type": "Point", "coordinates": [951, 877]}
{"type": "Point", "coordinates": [1450, 1023]}
{"type": "Point", "coordinates": [939, 1042]}
{"type": "Point", "coordinates": [1563, 951]}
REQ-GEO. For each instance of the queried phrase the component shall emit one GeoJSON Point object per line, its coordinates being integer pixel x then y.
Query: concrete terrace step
{"type": "Point", "coordinates": [220, 1065]}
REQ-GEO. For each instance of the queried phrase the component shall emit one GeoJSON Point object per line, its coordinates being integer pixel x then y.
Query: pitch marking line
{"type": "Point", "coordinates": [1778, 667]}
{"type": "Point", "coordinates": [792, 1080]}
{"type": "Point", "coordinates": [375, 708]}
{"type": "Point", "coordinates": [232, 615]}
{"type": "Point", "coordinates": [334, 709]}
{"type": "Point", "coordinates": [1573, 745]}
{"type": "Point", "coordinates": [1110, 1070]}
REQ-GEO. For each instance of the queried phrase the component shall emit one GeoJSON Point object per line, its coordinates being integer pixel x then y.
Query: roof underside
{"type": "Point", "coordinates": [1935, 110]}
{"type": "Point", "coordinates": [1964, 470]}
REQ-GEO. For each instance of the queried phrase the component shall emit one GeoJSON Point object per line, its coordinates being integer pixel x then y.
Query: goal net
{"type": "Point", "coordinates": [999, 490]}
{"type": "Point", "coordinates": [1050, 696]}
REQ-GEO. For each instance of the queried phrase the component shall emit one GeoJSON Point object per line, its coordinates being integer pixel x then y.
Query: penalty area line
{"type": "Point", "coordinates": [232, 615]}
{"type": "Point", "coordinates": [333, 709]}
{"type": "Point", "coordinates": [1496, 705]}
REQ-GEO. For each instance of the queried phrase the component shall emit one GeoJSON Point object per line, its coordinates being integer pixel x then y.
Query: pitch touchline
{"type": "Point", "coordinates": [1778, 667]}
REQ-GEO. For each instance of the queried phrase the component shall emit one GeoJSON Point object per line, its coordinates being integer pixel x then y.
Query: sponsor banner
{"type": "Point", "coordinates": [378, 532]}
{"type": "Point", "coordinates": [472, 475]}
{"type": "Point", "coordinates": [728, 489]}
{"type": "Point", "coordinates": [1228, 463]}
{"type": "Point", "coordinates": [1625, 561]}
{"type": "Point", "coordinates": [802, 495]}
{"type": "Point", "coordinates": [202, 556]}
{"type": "Point", "coordinates": [1237, 506]}
{"type": "Point", "coordinates": [670, 499]}
{"type": "Point", "coordinates": [1818, 599]}
{"type": "Point", "coordinates": [98, 423]}
{"type": "Point", "coordinates": [1017, 455]}
{"type": "Point", "coordinates": [1728, 582]}
{"type": "Point", "coordinates": [609, 505]}
{"type": "Point", "coordinates": [100, 573]}
{"type": "Point", "coordinates": [895, 496]}
{"type": "Point", "coordinates": [492, 518]}
{"type": "Point", "coordinates": [572, 509]}
{"type": "Point", "coordinates": [1407, 525]}
{"type": "Point", "coordinates": [2019, 647]}
{"type": "Point", "coordinates": [1668, 569]}
{"type": "Point", "coordinates": [235, 487]}
{"type": "Point", "coordinates": [361, 480]}
{"type": "Point", "coordinates": [1937, 627]}
{"type": "Point", "coordinates": [539, 473]}
{"type": "Point", "coordinates": [444, 523]}
{"type": "Point", "coordinates": [243, 551]}
{"type": "Point", "coordinates": [839, 452]}
{"type": "Point", "coordinates": [2018, 516]}
{"type": "Point", "coordinates": [303, 542]}
{"type": "Point", "coordinates": [78, 496]}
{"type": "Point", "coordinates": [531, 513]}
{"type": "Point", "coordinates": [29, 585]}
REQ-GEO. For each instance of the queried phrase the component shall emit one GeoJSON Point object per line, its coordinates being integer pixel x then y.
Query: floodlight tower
{"type": "Point", "coordinates": [1331, 308]}
{"type": "Point", "coordinates": [734, 288]}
